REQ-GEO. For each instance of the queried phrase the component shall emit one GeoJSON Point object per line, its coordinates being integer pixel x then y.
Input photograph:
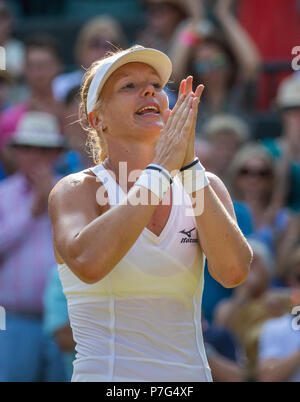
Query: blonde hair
{"type": "Point", "coordinates": [96, 141]}
{"type": "Point", "coordinates": [99, 26]}
{"type": "Point", "coordinates": [229, 124]}
{"type": "Point", "coordinates": [247, 152]}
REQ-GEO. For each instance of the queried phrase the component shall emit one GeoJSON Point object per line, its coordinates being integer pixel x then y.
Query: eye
{"type": "Point", "coordinates": [157, 85]}
{"type": "Point", "coordinates": [130, 85]}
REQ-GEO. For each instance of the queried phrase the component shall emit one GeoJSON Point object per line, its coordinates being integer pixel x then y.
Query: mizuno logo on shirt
{"type": "Point", "coordinates": [188, 239]}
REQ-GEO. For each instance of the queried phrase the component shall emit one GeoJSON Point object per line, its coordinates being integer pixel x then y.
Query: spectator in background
{"type": "Point", "coordinates": [252, 304]}
{"type": "Point", "coordinates": [286, 148]}
{"type": "Point", "coordinates": [279, 345]}
{"type": "Point", "coordinates": [226, 134]}
{"type": "Point", "coordinates": [253, 180]}
{"type": "Point", "coordinates": [26, 252]}
{"type": "Point", "coordinates": [42, 64]}
{"type": "Point", "coordinates": [227, 62]}
{"type": "Point", "coordinates": [162, 19]}
{"type": "Point", "coordinates": [97, 37]}
{"type": "Point", "coordinates": [223, 354]}
{"type": "Point", "coordinates": [14, 49]}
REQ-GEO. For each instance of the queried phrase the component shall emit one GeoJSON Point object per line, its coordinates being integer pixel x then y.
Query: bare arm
{"type": "Point", "coordinates": [278, 370]}
{"type": "Point", "coordinates": [181, 51]}
{"type": "Point", "coordinates": [225, 370]}
{"type": "Point", "coordinates": [64, 338]}
{"type": "Point", "coordinates": [241, 44]}
{"type": "Point", "coordinates": [226, 310]}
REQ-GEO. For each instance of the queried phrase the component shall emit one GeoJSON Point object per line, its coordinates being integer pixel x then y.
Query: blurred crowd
{"type": "Point", "coordinates": [248, 133]}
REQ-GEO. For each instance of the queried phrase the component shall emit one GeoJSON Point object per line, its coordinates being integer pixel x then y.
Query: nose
{"type": "Point", "coordinates": [149, 90]}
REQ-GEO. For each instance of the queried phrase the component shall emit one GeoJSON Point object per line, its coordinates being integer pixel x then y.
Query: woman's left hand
{"type": "Point", "coordinates": [186, 87]}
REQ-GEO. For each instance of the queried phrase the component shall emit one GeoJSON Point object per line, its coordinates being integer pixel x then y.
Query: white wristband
{"type": "Point", "coordinates": [161, 168]}
{"type": "Point", "coordinates": [194, 178]}
{"type": "Point", "coordinates": [155, 181]}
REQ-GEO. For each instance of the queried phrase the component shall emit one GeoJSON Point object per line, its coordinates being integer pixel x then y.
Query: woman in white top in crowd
{"type": "Point", "coordinates": [131, 252]}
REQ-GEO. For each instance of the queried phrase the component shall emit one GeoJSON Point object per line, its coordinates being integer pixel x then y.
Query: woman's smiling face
{"type": "Point", "coordinates": [134, 102]}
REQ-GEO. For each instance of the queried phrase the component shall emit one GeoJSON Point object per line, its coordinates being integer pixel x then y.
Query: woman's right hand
{"type": "Point", "coordinates": [171, 148]}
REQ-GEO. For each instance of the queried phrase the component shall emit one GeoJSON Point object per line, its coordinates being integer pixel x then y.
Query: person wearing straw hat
{"type": "Point", "coordinates": [131, 233]}
{"type": "Point", "coordinates": [26, 254]}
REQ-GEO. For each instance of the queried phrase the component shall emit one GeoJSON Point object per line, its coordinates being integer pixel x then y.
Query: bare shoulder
{"type": "Point", "coordinates": [73, 190]}
{"type": "Point", "coordinates": [72, 205]}
{"type": "Point", "coordinates": [72, 184]}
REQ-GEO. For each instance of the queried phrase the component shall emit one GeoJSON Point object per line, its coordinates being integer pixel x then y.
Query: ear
{"type": "Point", "coordinates": [95, 119]}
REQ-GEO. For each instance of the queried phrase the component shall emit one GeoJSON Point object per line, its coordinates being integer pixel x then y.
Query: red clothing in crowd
{"type": "Point", "coordinates": [274, 25]}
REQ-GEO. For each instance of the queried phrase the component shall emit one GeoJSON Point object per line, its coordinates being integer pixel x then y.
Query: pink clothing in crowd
{"type": "Point", "coordinates": [9, 120]}
{"type": "Point", "coordinates": [26, 252]}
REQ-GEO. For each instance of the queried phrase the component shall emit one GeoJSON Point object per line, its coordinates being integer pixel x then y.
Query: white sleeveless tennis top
{"type": "Point", "coordinates": [142, 321]}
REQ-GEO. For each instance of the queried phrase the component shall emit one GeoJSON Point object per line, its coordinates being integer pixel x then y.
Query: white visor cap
{"type": "Point", "coordinates": [154, 58]}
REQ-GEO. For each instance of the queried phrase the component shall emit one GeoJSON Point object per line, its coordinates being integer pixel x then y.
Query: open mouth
{"type": "Point", "coordinates": [148, 111]}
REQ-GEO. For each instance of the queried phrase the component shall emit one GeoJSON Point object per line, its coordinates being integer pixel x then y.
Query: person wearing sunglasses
{"type": "Point", "coordinates": [253, 180]}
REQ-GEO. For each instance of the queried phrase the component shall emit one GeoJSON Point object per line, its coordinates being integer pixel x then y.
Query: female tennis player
{"type": "Point", "coordinates": [132, 267]}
